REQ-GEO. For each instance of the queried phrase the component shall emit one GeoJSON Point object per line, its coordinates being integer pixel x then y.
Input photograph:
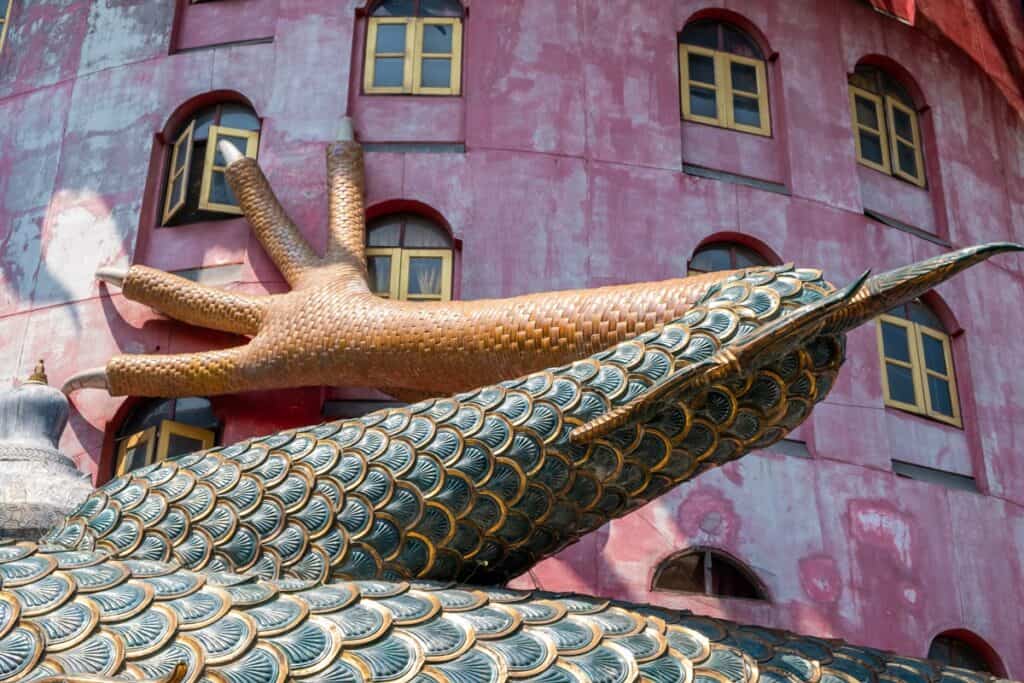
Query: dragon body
{"type": "Point", "coordinates": [329, 553]}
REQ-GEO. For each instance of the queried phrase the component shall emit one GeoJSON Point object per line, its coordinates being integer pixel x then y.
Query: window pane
{"type": "Point", "coordinates": [901, 383]}
{"type": "Point", "coordinates": [702, 68]}
{"type": "Point", "coordinates": [925, 316]}
{"type": "Point", "coordinates": [934, 354]}
{"type": "Point", "coordinates": [436, 73]}
{"type": "Point", "coordinates": [178, 444]}
{"type": "Point", "coordinates": [747, 257]}
{"type": "Point", "coordinates": [895, 342]}
{"type": "Point", "coordinates": [871, 147]}
{"type": "Point", "coordinates": [182, 152]}
{"type": "Point", "coordinates": [388, 71]}
{"type": "Point", "coordinates": [437, 38]}
{"type": "Point", "coordinates": [744, 77]}
{"type": "Point", "coordinates": [135, 457]}
{"type": "Point", "coordinates": [867, 112]}
{"type": "Point", "coordinates": [703, 102]}
{"type": "Point", "coordinates": [942, 402]}
{"type": "Point", "coordinates": [745, 111]}
{"type": "Point", "coordinates": [380, 273]}
{"type": "Point", "coordinates": [239, 116]}
{"type": "Point", "coordinates": [440, 8]}
{"type": "Point", "coordinates": [739, 43]}
{"type": "Point", "coordinates": [907, 157]}
{"type": "Point", "coordinates": [195, 411]}
{"type": "Point", "coordinates": [424, 276]}
{"type": "Point", "coordinates": [421, 233]}
{"type": "Point", "coordinates": [901, 122]}
{"type": "Point", "coordinates": [390, 38]}
{"type": "Point", "coordinates": [702, 33]}
{"type": "Point", "coordinates": [394, 8]}
{"type": "Point", "coordinates": [240, 144]}
{"type": "Point", "coordinates": [177, 189]}
{"type": "Point", "coordinates": [220, 192]}
{"type": "Point", "coordinates": [386, 233]}
{"type": "Point", "coordinates": [711, 258]}
{"type": "Point", "coordinates": [684, 573]}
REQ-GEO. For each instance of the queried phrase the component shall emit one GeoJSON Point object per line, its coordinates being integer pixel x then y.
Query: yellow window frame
{"type": "Point", "coordinates": [949, 378]}
{"type": "Point", "coordinates": [446, 274]}
{"type": "Point", "coordinates": [919, 371]}
{"type": "Point", "coordinates": [147, 437]}
{"type": "Point", "coordinates": [725, 113]}
{"type": "Point", "coordinates": [719, 118]}
{"type": "Point", "coordinates": [5, 19]}
{"type": "Point", "coordinates": [454, 57]}
{"type": "Point", "coordinates": [891, 106]}
{"type": "Point", "coordinates": [169, 428]}
{"type": "Point", "coordinates": [252, 143]}
{"type": "Point", "coordinates": [395, 254]}
{"type": "Point", "coordinates": [369, 63]}
{"type": "Point", "coordinates": [761, 95]}
{"type": "Point", "coordinates": [183, 145]}
{"type": "Point", "coordinates": [881, 117]}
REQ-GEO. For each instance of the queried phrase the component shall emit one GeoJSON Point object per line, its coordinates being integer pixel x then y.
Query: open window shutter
{"type": "Point", "coordinates": [213, 192]}
{"type": "Point", "coordinates": [177, 176]}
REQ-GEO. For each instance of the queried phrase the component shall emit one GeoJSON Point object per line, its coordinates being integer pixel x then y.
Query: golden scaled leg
{"type": "Point", "coordinates": [346, 188]}
{"type": "Point", "coordinates": [188, 301]}
{"type": "Point", "coordinates": [275, 230]}
{"type": "Point", "coordinates": [187, 374]}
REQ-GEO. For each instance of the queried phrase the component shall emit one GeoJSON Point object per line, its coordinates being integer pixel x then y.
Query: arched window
{"type": "Point", "coordinates": [708, 572]}
{"type": "Point", "coordinates": [409, 257]}
{"type": "Point", "coordinates": [414, 47]}
{"type": "Point", "coordinates": [196, 188]}
{"type": "Point", "coordinates": [723, 81]}
{"type": "Point", "coordinates": [717, 256]}
{"type": "Point", "coordinates": [157, 430]}
{"type": "Point", "coordinates": [917, 366]}
{"type": "Point", "coordinates": [952, 650]}
{"type": "Point", "coordinates": [886, 130]}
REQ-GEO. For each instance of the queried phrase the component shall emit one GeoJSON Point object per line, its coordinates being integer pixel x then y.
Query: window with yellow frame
{"type": "Point", "coordinates": [409, 257]}
{"type": "Point", "coordinates": [157, 430]}
{"type": "Point", "coordinates": [414, 47]}
{"type": "Point", "coordinates": [723, 80]}
{"type": "Point", "coordinates": [196, 187]}
{"type": "Point", "coordinates": [886, 130]}
{"type": "Point", "coordinates": [5, 19]}
{"type": "Point", "coordinates": [917, 363]}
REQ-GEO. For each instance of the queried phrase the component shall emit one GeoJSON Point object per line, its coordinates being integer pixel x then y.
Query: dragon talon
{"type": "Point", "coordinates": [93, 378]}
{"type": "Point", "coordinates": [230, 152]}
{"type": "Point", "coordinates": [112, 276]}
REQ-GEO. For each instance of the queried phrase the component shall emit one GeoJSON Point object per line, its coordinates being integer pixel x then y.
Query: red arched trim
{"type": "Point", "coordinates": [737, 20]}
{"type": "Point", "coordinates": [727, 237]}
{"type": "Point", "coordinates": [185, 110]}
{"type": "Point", "coordinates": [390, 206]}
{"type": "Point", "coordinates": [896, 70]}
{"type": "Point", "coordinates": [991, 657]}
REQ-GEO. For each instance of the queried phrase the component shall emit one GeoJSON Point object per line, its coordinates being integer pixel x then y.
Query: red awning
{"type": "Point", "coordinates": [991, 32]}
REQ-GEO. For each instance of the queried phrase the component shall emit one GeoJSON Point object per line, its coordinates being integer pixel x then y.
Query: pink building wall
{"type": "Point", "coordinates": [570, 177]}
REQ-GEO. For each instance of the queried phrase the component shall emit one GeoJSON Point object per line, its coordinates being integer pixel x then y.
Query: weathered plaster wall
{"type": "Point", "coordinates": [571, 178]}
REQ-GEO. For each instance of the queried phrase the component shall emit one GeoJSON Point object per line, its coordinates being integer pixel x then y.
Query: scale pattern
{"type": "Point", "coordinates": [73, 613]}
{"type": "Point", "coordinates": [483, 485]}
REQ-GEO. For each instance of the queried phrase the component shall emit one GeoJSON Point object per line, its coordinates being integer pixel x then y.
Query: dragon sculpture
{"type": "Point", "coordinates": [339, 552]}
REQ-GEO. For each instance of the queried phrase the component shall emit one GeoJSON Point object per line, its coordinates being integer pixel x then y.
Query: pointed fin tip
{"type": "Point", "coordinates": [229, 151]}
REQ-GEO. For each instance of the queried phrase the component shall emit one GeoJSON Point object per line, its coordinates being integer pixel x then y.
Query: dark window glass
{"type": "Point", "coordinates": [744, 77]}
{"type": "Point", "coordinates": [379, 268]}
{"type": "Point", "coordinates": [179, 444]}
{"type": "Point", "coordinates": [710, 573]}
{"type": "Point", "coordinates": [437, 38]}
{"type": "Point", "coordinates": [436, 73]}
{"type": "Point", "coordinates": [391, 38]}
{"type": "Point", "coordinates": [901, 383]}
{"type": "Point", "coordinates": [934, 354]}
{"type": "Point", "coordinates": [871, 147]}
{"type": "Point", "coordinates": [388, 71]}
{"type": "Point", "coordinates": [717, 35]}
{"type": "Point", "coordinates": [867, 114]}
{"type": "Point", "coordinates": [952, 651]}
{"type": "Point", "coordinates": [746, 111]}
{"type": "Point", "coordinates": [702, 68]}
{"type": "Point", "coordinates": [919, 313]}
{"type": "Point", "coordinates": [896, 342]}
{"type": "Point", "coordinates": [407, 230]}
{"type": "Point", "coordinates": [418, 8]}
{"type": "Point", "coordinates": [907, 158]}
{"type": "Point", "coordinates": [938, 391]}
{"type": "Point", "coordinates": [703, 102]}
{"type": "Point", "coordinates": [724, 256]}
